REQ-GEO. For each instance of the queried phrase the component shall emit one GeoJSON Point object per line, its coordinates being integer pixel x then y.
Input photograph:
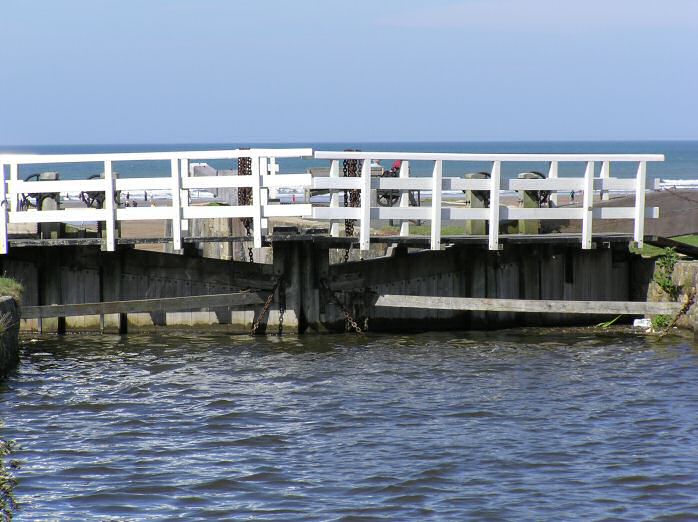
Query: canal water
{"type": "Point", "coordinates": [520, 424]}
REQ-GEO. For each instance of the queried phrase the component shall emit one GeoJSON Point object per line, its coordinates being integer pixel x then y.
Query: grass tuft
{"type": "Point", "coordinates": [11, 287]}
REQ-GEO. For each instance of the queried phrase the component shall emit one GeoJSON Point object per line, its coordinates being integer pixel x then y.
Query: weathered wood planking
{"type": "Point", "coordinates": [527, 305]}
{"type": "Point", "coordinates": [167, 304]}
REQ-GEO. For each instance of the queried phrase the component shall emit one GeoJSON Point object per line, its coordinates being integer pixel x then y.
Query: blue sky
{"type": "Point", "coordinates": [158, 71]}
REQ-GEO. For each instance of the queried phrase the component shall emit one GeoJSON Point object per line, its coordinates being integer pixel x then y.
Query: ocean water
{"type": "Point", "coordinates": [681, 157]}
{"type": "Point", "coordinates": [510, 425]}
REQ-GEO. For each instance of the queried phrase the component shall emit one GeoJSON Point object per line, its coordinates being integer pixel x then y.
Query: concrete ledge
{"type": "Point", "coordinates": [9, 334]}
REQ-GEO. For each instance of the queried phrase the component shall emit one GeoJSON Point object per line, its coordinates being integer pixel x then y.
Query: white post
{"type": "Point", "coordinates": [176, 206]}
{"type": "Point", "coordinates": [109, 206]}
{"type": "Point", "coordinates": [640, 183]}
{"type": "Point", "coordinates": [263, 169]}
{"type": "Point", "coordinates": [256, 203]}
{"type": "Point", "coordinates": [3, 211]}
{"type": "Point", "coordinates": [13, 194]}
{"type": "Point", "coordinates": [588, 205]}
{"type": "Point", "coordinates": [605, 174]}
{"type": "Point", "coordinates": [365, 230]}
{"type": "Point", "coordinates": [184, 193]}
{"type": "Point", "coordinates": [495, 181]}
{"type": "Point", "coordinates": [334, 199]}
{"type": "Point", "coordinates": [553, 174]}
{"type": "Point", "coordinates": [436, 205]}
{"type": "Point", "coordinates": [405, 198]}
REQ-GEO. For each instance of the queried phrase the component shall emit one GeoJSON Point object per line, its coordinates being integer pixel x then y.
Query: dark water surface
{"type": "Point", "coordinates": [521, 424]}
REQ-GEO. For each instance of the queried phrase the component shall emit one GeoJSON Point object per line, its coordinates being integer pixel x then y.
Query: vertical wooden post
{"type": "Point", "coordinates": [365, 224]}
{"type": "Point", "coordinates": [256, 202]}
{"type": "Point", "coordinates": [109, 206]}
{"type": "Point", "coordinates": [264, 192]}
{"type": "Point", "coordinates": [588, 205]}
{"type": "Point", "coordinates": [495, 182]}
{"type": "Point", "coordinates": [640, 183]}
{"type": "Point", "coordinates": [405, 198]}
{"type": "Point", "coordinates": [13, 191]}
{"type": "Point", "coordinates": [436, 186]}
{"type": "Point", "coordinates": [184, 193]}
{"type": "Point", "coordinates": [334, 199]}
{"type": "Point", "coordinates": [176, 206]}
{"type": "Point", "coordinates": [553, 174]}
{"type": "Point", "coordinates": [3, 210]}
{"type": "Point", "coordinates": [605, 175]}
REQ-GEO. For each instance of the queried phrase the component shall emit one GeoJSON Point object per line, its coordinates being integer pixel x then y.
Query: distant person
{"type": "Point", "coordinates": [572, 196]}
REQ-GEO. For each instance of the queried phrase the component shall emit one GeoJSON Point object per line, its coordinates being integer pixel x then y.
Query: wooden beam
{"type": "Point", "coordinates": [165, 304]}
{"type": "Point", "coordinates": [527, 305]}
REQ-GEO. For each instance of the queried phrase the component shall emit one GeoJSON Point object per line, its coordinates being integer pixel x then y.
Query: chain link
{"type": "Point", "coordinates": [352, 198]}
{"type": "Point", "coordinates": [265, 309]}
{"type": "Point", "coordinates": [688, 302]}
{"type": "Point", "coordinates": [350, 324]}
{"type": "Point", "coordinates": [245, 199]}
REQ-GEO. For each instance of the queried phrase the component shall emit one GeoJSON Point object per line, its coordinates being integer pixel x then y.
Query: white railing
{"type": "Point", "coordinates": [264, 168]}
{"type": "Point", "coordinates": [179, 183]}
{"type": "Point", "coordinates": [437, 183]}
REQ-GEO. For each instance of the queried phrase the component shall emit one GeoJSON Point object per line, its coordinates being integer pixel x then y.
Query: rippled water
{"type": "Point", "coordinates": [520, 424]}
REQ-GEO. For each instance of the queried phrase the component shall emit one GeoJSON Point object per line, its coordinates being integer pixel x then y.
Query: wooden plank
{"type": "Point", "coordinates": [176, 207]}
{"type": "Point", "coordinates": [334, 199]}
{"type": "Point", "coordinates": [166, 304]}
{"type": "Point", "coordinates": [495, 178]}
{"type": "Point", "coordinates": [436, 206]}
{"type": "Point", "coordinates": [3, 211]}
{"type": "Point", "coordinates": [433, 156]}
{"type": "Point", "coordinates": [365, 222]}
{"type": "Point", "coordinates": [639, 229]}
{"type": "Point", "coordinates": [109, 206]}
{"type": "Point", "coordinates": [527, 305]}
{"type": "Point", "coordinates": [404, 197]}
{"type": "Point", "coordinates": [587, 206]}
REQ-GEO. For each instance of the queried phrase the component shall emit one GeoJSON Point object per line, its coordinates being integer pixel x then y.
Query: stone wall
{"type": "Point", "coordinates": [9, 334]}
{"type": "Point", "coordinates": [686, 277]}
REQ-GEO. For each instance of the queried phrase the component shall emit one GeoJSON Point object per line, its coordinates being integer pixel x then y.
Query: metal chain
{"type": "Point", "coordinates": [282, 311]}
{"type": "Point", "coordinates": [350, 323]}
{"type": "Point", "coordinates": [245, 198]}
{"type": "Point", "coordinates": [352, 198]}
{"type": "Point", "coordinates": [265, 309]}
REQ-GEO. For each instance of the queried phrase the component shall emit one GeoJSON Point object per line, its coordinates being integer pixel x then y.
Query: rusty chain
{"type": "Point", "coordinates": [245, 199]}
{"type": "Point", "coordinates": [352, 198]}
{"type": "Point", "coordinates": [265, 309]}
{"type": "Point", "coordinates": [350, 323]}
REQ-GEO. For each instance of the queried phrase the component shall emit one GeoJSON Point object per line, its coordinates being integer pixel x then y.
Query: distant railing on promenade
{"type": "Point", "coordinates": [264, 170]}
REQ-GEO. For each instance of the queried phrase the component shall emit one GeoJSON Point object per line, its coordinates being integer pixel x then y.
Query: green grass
{"type": "Point", "coordinates": [425, 230]}
{"type": "Point", "coordinates": [653, 251]}
{"type": "Point", "coordinates": [11, 287]}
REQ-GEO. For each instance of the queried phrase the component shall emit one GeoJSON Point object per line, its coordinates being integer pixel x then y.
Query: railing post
{"type": "Point", "coordinates": [436, 186]}
{"type": "Point", "coordinates": [588, 205]}
{"type": "Point", "coordinates": [13, 194]}
{"type": "Point", "coordinates": [605, 174]}
{"type": "Point", "coordinates": [553, 174]}
{"type": "Point", "coordinates": [495, 182]}
{"type": "Point", "coordinates": [109, 206]}
{"type": "Point", "coordinates": [405, 198]}
{"type": "Point", "coordinates": [176, 205]}
{"type": "Point", "coordinates": [3, 211]}
{"type": "Point", "coordinates": [640, 183]}
{"type": "Point", "coordinates": [264, 192]}
{"type": "Point", "coordinates": [184, 193]}
{"type": "Point", "coordinates": [365, 230]}
{"type": "Point", "coordinates": [334, 199]}
{"type": "Point", "coordinates": [256, 202]}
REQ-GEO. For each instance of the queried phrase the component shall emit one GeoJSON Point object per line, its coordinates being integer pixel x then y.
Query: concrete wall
{"type": "Point", "coordinates": [9, 332]}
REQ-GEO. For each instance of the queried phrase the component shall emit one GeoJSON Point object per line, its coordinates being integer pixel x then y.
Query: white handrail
{"type": "Point", "coordinates": [263, 177]}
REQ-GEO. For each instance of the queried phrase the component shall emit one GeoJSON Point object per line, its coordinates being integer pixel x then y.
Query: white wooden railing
{"type": "Point", "coordinates": [264, 168]}
{"type": "Point", "coordinates": [437, 183]}
{"type": "Point", "coordinates": [179, 183]}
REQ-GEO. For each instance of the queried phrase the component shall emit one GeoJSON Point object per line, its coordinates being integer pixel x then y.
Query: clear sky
{"type": "Point", "coordinates": [189, 71]}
